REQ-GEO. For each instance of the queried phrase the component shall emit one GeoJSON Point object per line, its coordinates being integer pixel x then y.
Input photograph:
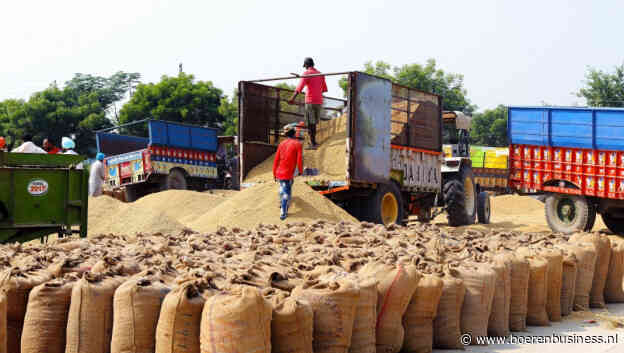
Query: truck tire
{"type": "Point", "coordinates": [460, 198]}
{"type": "Point", "coordinates": [591, 218]}
{"type": "Point", "coordinates": [386, 205]}
{"type": "Point", "coordinates": [483, 207]}
{"type": "Point", "coordinates": [131, 193]}
{"type": "Point", "coordinates": [615, 224]}
{"type": "Point", "coordinates": [176, 180]}
{"type": "Point", "coordinates": [567, 213]}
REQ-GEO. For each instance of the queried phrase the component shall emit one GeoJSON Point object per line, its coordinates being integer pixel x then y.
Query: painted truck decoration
{"type": "Point", "coordinates": [142, 165]}
{"type": "Point", "coordinates": [576, 156]}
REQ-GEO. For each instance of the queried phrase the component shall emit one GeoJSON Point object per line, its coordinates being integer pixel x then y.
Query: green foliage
{"type": "Point", "coordinates": [77, 109]}
{"type": "Point", "coordinates": [229, 110]}
{"type": "Point", "coordinates": [490, 127]}
{"type": "Point", "coordinates": [426, 78]}
{"type": "Point", "coordinates": [603, 89]}
{"type": "Point", "coordinates": [179, 99]}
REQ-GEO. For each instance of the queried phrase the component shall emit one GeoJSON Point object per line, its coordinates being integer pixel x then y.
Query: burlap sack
{"type": "Point", "coordinates": [420, 313]}
{"type": "Point", "coordinates": [480, 280]}
{"type": "Point", "coordinates": [136, 305]}
{"type": "Point", "coordinates": [585, 254]}
{"type": "Point", "coordinates": [90, 320]}
{"type": "Point", "coordinates": [179, 322]}
{"type": "Point", "coordinates": [45, 322]}
{"type": "Point", "coordinates": [16, 285]}
{"type": "Point", "coordinates": [334, 305]}
{"type": "Point", "coordinates": [568, 283]}
{"type": "Point", "coordinates": [555, 276]}
{"type": "Point", "coordinates": [447, 323]}
{"type": "Point", "coordinates": [292, 326]}
{"type": "Point", "coordinates": [238, 321]}
{"type": "Point", "coordinates": [538, 288]}
{"type": "Point", "coordinates": [395, 290]}
{"type": "Point", "coordinates": [519, 293]}
{"type": "Point", "coordinates": [498, 324]}
{"type": "Point", "coordinates": [614, 293]}
{"type": "Point", "coordinates": [3, 323]}
{"type": "Point", "coordinates": [363, 337]}
{"type": "Point", "coordinates": [603, 255]}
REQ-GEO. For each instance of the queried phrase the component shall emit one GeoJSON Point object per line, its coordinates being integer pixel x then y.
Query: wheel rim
{"type": "Point", "coordinates": [469, 195]}
{"type": "Point", "coordinates": [566, 211]}
{"type": "Point", "coordinates": [389, 209]}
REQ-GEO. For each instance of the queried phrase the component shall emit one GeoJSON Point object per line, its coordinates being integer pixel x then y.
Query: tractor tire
{"type": "Point", "coordinates": [591, 218]}
{"type": "Point", "coordinates": [386, 205]}
{"type": "Point", "coordinates": [567, 213]}
{"type": "Point", "coordinates": [176, 180]}
{"type": "Point", "coordinates": [483, 208]}
{"type": "Point", "coordinates": [615, 224]}
{"type": "Point", "coordinates": [131, 193]}
{"type": "Point", "coordinates": [461, 199]}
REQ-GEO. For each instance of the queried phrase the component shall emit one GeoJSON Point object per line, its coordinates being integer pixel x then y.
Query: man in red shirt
{"type": "Point", "coordinates": [287, 158]}
{"type": "Point", "coordinates": [50, 148]}
{"type": "Point", "coordinates": [314, 97]}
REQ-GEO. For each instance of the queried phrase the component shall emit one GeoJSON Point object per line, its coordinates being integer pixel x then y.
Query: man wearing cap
{"type": "Point", "coordinates": [287, 158]}
{"type": "Point", "coordinates": [97, 175]}
{"type": "Point", "coordinates": [313, 97]}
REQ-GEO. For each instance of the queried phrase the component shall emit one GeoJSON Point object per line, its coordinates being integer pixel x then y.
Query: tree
{"type": "Point", "coordinates": [426, 78]}
{"type": "Point", "coordinates": [603, 89]}
{"type": "Point", "coordinates": [229, 110]}
{"type": "Point", "coordinates": [179, 99]}
{"type": "Point", "coordinates": [490, 127]}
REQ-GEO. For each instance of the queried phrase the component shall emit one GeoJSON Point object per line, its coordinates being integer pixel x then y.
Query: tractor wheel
{"type": "Point", "coordinates": [614, 223]}
{"type": "Point", "coordinates": [483, 207]}
{"type": "Point", "coordinates": [386, 205]}
{"type": "Point", "coordinates": [567, 213]}
{"type": "Point", "coordinates": [461, 198]}
{"type": "Point", "coordinates": [176, 180]}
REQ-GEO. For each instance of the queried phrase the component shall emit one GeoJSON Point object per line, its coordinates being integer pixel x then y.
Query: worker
{"type": "Point", "coordinates": [287, 158]}
{"type": "Point", "coordinates": [313, 98]}
{"type": "Point", "coordinates": [2, 143]}
{"type": "Point", "coordinates": [68, 148]}
{"type": "Point", "coordinates": [28, 146]}
{"type": "Point", "coordinates": [50, 148]}
{"type": "Point", "coordinates": [97, 175]}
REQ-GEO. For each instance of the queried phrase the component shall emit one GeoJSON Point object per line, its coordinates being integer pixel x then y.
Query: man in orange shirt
{"type": "Point", "coordinates": [313, 97]}
{"type": "Point", "coordinates": [288, 157]}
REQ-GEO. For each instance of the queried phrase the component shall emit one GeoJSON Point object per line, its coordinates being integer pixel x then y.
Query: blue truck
{"type": "Point", "coordinates": [575, 158]}
{"type": "Point", "coordinates": [173, 156]}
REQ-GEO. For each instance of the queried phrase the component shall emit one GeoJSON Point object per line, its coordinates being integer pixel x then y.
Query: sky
{"type": "Point", "coordinates": [510, 52]}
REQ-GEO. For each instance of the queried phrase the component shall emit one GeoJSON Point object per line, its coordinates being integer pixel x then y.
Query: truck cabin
{"type": "Point", "coordinates": [455, 133]}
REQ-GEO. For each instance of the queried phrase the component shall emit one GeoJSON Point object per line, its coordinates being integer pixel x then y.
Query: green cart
{"type": "Point", "coordinates": [42, 194]}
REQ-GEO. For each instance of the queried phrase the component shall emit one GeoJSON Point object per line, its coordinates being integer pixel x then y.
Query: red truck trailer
{"type": "Point", "coordinates": [575, 156]}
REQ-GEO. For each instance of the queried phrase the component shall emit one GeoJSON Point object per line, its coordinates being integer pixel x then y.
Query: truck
{"type": "Point", "coordinates": [42, 194]}
{"type": "Point", "coordinates": [574, 158]}
{"type": "Point", "coordinates": [393, 148]}
{"type": "Point", "coordinates": [172, 156]}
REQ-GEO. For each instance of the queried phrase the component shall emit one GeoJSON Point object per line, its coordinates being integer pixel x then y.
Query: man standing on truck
{"type": "Point", "coordinates": [287, 158]}
{"type": "Point", "coordinates": [50, 148]}
{"type": "Point", "coordinates": [97, 175]}
{"type": "Point", "coordinates": [314, 97]}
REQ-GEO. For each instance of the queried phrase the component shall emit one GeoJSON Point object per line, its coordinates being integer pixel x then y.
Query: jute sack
{"type": "Point", "coordinates": [555, 276]}
{"type": "Point", "coordinates": [179, 321]}
{"type": "Point", "coordinates": [395, 290]}
{"type": "Point", "coordinates": [45, 322]}
{"type": "Point", "coordinates": [292, 326]}
{"type": "Point", "coordinates": [585, 254]}
{"type": "Point", "coordinates": [136, 306]}
{"type": "Point", "coordinates": [420, 313]}
{"type": "Point", "coordinates": [614, 293]}
{"type": "Point", "coordinates": [447, 323]}
{"type": "Point", "coordinates": [16, 285]}
{"type": "Point", "coordinates": [498, 324]}
{"type": "Point", "coordinates": [480, 280]}
{"type": "Point", "coordinates": [603, 255]}
{"type": "Point", "coordinates": [538, 288]}
{"type": "Point", "coordinates": [90, 320]}
{"type": "Point", "coordinates": [3, 323]}
{"type": "Point", "coordinates": [237, 321]}
{"type": "Point", "coordinates": [334, 304]}
{"type": "Point", "coordinates": [519, 293]}
{"type": "Point", "coordinates": [568, 282]}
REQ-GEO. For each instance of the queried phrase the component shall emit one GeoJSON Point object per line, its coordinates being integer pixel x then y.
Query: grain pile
{"type": "Point", "coordinates": [323, 266]}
